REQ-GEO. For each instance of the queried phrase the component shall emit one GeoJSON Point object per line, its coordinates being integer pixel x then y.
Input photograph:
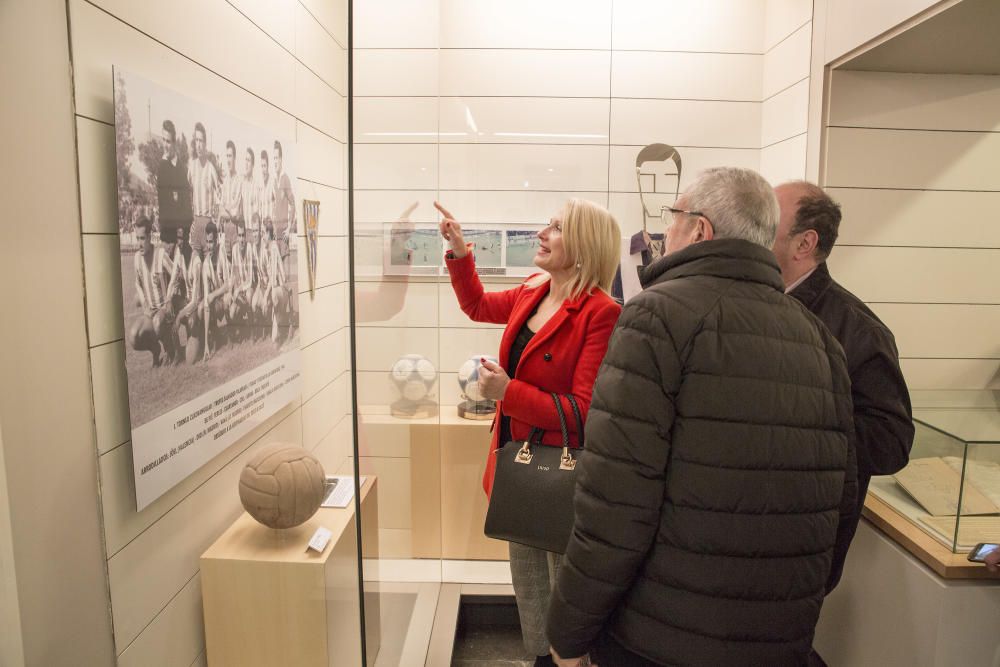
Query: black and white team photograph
{"type": "Point", "coordinates": [209, 259]}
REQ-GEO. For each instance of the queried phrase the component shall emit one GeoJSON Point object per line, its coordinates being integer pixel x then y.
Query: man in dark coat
{"type": "Point", "coordinates": [719, 461]}
{"type": "Point", "coordinates": [883, 424]}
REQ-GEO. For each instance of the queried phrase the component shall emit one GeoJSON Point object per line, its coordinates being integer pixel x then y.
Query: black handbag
{"type": "Point", "coordinates": [532, 498]}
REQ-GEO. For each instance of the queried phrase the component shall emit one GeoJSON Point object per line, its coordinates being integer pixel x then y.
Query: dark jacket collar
{"type": "Point", "coordinates": [724, 258]}
{"type": "Point", "coordinates": [813, 287]}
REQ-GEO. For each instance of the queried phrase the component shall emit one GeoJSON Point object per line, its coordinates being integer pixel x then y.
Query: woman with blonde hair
{"type": "Point", "coordinates": [557, 328]}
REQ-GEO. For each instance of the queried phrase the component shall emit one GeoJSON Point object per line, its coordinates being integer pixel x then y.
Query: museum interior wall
{"type": "Point", "coordinates": [502, 113]}
{"type": "Point", "coordinates": [282, 66]}
{"type": "Point", "coordinates": [499, 111]}
{"type": "Point", "coordinates": [45, 399]}
{"type": "Point", "coordinates": [909, 157]}
{"type": "Point", "coordinates": [11, 645]}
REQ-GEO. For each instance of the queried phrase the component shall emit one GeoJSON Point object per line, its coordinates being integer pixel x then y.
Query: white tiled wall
{"type": "Point", "coordinates": [280, 65]}
{"type": "Point", "coordinates": [909, 157]}
{"type": "Point", "coordinates": [785, 89]}
{"type": "Point", "coordinates": [502, 111]}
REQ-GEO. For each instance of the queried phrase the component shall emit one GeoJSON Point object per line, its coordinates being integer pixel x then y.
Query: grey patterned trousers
{"type": "Point", "coordinates": [533, 573]}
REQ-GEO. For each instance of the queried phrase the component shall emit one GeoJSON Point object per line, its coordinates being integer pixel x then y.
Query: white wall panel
{"type": "Point", "coordinates": [336, 447]}
{"type": "Point", "coordinates": [95, 143]}
{"type": "Point", "coordinates": [785, 115]}
{"type": "Point", "coordinates": [102, 271]}
{"type": "Point", "coordinates": [917, 218]}
{"type": "Point", "coordinates": [322, 361]}
{"type": "Point", "coordinates": [521, 120]}
{"type": "Point", "coordinates": [691, 76]}
{"type": "Point", "coordinates": [395, 167]}
{"type": "Point", "coordinates": [391, 120]}
{"type": "Point", "coordinates": [101, 41]}
{"type": "Point", "coordinates": [376, 390]}
{"type": "Point", "coordinates": [943, 330]}
{"type": "Point", "coordinates": [331, 264]}
{"type": "Point", "coordinates": [503, 167]}
{"type": "Point", "coordinates": [122, 523]}
{"type": "Point", "coordinates": [171, 547]}
{"type": "Point", "coordinates": [382, 346]}
{"type": "Point", "coordinates": [525, 207]}
{"type": "Point", "coordinates": [783, 17]}
{"type": "Point", "coordinates": [332, 15]}
{"type": "Point", "coordinates": [919, 275]}
{"type": "Point", "coordinates": [399, 72]}
{"type": "Point", "coordinates": [458, 345]}
{"type": "Point", "coordinates": [728, 26]}
{"type": "Point", "coordinates": [851, 23]}
{"type": "Point", "coordinates": [111, 410]}
{"type": "Point", "coordinates": [323, 315]}
{"type": "Point", "coordinates": [319, 105]}
{"type": "Point", "coordinates": [951, 373]}
{"type": "Point", "coordinates": [915, 101]}
{"type": "Point", "coordinates": [175, 637]}
{"type": "Point", "coordinates": [396, 24]}
{"type": "Point", "coordinates": [372, 208]}
{"type": "Point", "coordinates": [451, 315]}
{"type": "Point", "coordinates": [332, 209]}
{"type": "Point", "coordinates": [694, 161]}
{"type": "Point", "coordinates": [269, 74]}
{"type": "Point", "coordinates": [913, 159]}
{"type": "Point", "coordinates": [525, 24]}
{"type": "Point", "coordinates": [686, 123]}
{"type": "Point", "coordinates": [784, 161]}
{"type": "Point", "coordinates": [397, 304]}
{"type": "Point", "coordinates": [319, 51]}
{"type": "Point", "coordinates": [525, 73]}
{"type": "Point", "coordinates": [322, 412]}
{"type": "Point", "coordinates": [788, 62]}
{"type": "Point", "coordinates": [275, 17]}
{"type": "Point", "coordinates": [320, 158]}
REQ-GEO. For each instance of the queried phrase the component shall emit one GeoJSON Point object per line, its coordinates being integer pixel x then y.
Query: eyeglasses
{"type": "Point", "coordinates": [673, 211]}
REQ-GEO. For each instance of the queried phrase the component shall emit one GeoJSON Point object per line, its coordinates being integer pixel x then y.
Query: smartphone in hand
{"type": "Point", "coordinates": [981, 551]}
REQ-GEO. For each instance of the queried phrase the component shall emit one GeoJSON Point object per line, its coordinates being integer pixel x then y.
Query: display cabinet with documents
{"type": "Point", "coordinates": [950, 490]}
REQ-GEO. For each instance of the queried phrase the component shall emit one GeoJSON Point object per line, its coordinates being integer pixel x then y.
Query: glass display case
{"type": "Point", "coordinates": [950, 489]}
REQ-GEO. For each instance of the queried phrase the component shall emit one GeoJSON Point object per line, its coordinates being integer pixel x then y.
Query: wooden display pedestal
{"type": "Point", "coordinates": [268, 601]}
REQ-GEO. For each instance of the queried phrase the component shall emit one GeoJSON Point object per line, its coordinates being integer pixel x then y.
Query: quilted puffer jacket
{"type": "Point", "coordinates": [719, 464]}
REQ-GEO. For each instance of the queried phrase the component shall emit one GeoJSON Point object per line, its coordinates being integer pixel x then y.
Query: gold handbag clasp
{"type": "Point", "coordinates": [523, 454]}
{"type": "Point", "coordinates": [566, 461]}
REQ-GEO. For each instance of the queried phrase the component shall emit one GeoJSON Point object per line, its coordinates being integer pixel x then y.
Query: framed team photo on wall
{"type": "Point", "coordinates": [207, 225]}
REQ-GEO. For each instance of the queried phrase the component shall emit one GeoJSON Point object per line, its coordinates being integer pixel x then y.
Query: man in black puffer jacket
{"type": "Point", "coordinates": [720, 460]}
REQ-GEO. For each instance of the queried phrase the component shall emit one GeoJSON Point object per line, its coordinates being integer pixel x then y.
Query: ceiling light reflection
{"type": "Point", "coordinates": [550, 135]}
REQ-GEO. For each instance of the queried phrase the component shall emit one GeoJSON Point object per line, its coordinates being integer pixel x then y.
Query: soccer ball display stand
{"type": "Point", "coordinates": [475, 406]}
{"type": "Point", "coordinates": [414, 376]}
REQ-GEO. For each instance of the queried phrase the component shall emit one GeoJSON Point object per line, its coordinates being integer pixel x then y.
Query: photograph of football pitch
{"type": "Point", "coordinates": [521, 248]}
{"type": "Point", "coordinates": [487, 246]}
{"type": "Point", "coordinates": [419, 247]}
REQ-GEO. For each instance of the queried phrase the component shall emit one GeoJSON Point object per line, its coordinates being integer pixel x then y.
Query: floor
{"type": "Point", "coordinates": [488, 634]}
{"type": "Point", "coordinates": [437, 625]}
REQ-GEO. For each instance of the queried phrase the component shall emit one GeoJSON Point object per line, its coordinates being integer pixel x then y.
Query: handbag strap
{"type": "Point", "coordinates": [579, 418]}
{"type": "Point", "coordinates": [539, 432]}
{"type": "Point", "coordinates": [562, 419]}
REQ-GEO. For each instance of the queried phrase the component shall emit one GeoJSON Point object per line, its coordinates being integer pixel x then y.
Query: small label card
{"type": "Point", "coordinates": [319, 540]}
{"type": "Point", "coordinates": [339, 490]}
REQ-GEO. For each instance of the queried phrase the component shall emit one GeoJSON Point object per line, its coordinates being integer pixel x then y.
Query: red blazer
{"type": "Point", "coordinates": [563, 356]}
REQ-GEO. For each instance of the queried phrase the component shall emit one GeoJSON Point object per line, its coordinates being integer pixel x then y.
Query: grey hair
{"type": "Point", "coordinates": [738, 202]}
